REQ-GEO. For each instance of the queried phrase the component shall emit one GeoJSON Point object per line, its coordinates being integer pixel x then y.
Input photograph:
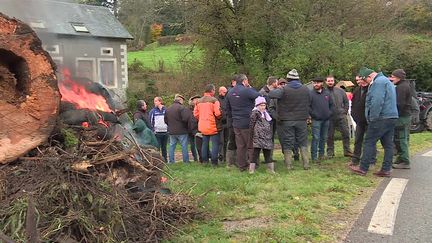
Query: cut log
{"type": "Point", "coordinates": [29, 96]}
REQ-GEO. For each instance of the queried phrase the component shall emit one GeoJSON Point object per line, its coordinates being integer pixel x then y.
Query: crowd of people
{"type": "Point", "coordinates": [240, 122]}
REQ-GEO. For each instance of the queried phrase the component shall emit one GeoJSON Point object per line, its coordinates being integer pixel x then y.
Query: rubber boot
{"type": "Point", "coordinates": [251, 168]}
{"type": "Point", "coordinates": [270, 168]}
{"type": "Point", "coordinates": [230, 158]}
{"type": "Point", "coordinates": [288, 158]}
{"type": "Point", "coordinates": [304, 157]}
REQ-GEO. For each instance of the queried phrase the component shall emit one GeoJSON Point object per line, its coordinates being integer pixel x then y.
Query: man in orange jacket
{"type": "Point", "coordinates": [208, 113]}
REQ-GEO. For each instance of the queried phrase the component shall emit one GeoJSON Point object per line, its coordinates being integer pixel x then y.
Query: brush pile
{"type": "Point", "coordinates": [89, 191]}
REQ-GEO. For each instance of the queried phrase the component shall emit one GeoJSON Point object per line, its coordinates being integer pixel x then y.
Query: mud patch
{"type": "Point", "coordinates": [247, 224]}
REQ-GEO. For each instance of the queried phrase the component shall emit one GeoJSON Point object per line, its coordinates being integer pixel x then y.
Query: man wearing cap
{"type": "Point", "coordinates": [320, 112]}
{"type": "Point", "coordinates": [239, 104]}
{"type": "Point", "coordinates": [339, 118]}
{"type": "Point", "coordinates": [177, 117]}
{"type": "Point", "coordinates": [381, 115]}
{"type": "Point", "coordinates": [401, 133]}
{"type": "Point", "coordinates": [195, 138]}
{"type": "Point", "coordinates": [293, 111]}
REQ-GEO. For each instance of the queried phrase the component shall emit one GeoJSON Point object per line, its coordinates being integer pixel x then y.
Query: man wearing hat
{"type": "Point", "coordinates": [293, 111]}
{"type": "Point", "coordinates": [401, 136]}
{"type": "Point", "coordinates": [177, 117]}
{"type": "Point", "coordinates": [381, 115]}
{"type": "Point", "coordinates": [320, 112]}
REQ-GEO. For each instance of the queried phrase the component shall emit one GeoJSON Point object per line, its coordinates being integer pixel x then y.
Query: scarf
{"type": "Point", "coordinates": [264, 114]}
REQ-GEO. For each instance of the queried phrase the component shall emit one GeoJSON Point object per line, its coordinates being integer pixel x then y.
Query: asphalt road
{"type": "Point", "coordinates": [414, 214]}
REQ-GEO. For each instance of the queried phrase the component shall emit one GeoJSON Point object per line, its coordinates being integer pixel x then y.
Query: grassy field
{"type": "Point", "coordinates": [167, 57]}
{"type": "Point", "coordinates": [292, 206]}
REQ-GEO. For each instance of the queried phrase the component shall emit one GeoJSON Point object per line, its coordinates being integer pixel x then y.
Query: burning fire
{"type": "Point", "coordinates": [77, 94]}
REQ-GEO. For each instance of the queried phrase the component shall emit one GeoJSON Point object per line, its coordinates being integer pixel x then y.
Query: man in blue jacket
{"type": "Point", "coordinates": [240, 101]}
{"type": "Point", "coordinates": [320, 111]}
{"type": "Point", "coordinates": [381, 115]}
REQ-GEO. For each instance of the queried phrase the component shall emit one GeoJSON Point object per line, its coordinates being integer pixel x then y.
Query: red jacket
{"type": "Point", "coordinates": [208, 111]}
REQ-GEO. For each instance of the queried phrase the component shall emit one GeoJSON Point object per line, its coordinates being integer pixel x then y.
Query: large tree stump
{"type": "Point", "coordinates": [29, 96]}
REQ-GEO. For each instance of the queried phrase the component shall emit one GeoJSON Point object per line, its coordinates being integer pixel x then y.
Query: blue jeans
{"type": "Point", "coordinates": [183, 140]}
{"type": "Point", "coordinates": [319, 137]}
{"type": "Point", "coordinates": [382, 130]}
{"type": "Point", "coordinates": [214, 148]}
{"type": "Point", "coordinates": [162, 138]}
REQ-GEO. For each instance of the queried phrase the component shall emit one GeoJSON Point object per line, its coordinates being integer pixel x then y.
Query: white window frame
{"type": "Point", "coordinates": [80, 27]}
{"type": "Point", "coordinates": [110, 49]}
{"type": "Point", "coordinates": [59, 59]}
{"type": "Point", "coordinates": [115, 71]}
{"type": "Point", "coordinates": [56, 47]}
{"type": "Point", "coordinates": [95, 78]}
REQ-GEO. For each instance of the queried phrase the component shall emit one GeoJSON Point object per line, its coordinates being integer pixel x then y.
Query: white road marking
{"type": "Point", "coordinates": [384, 217]}
{"type": "Point", "coordinates": [427, 154]}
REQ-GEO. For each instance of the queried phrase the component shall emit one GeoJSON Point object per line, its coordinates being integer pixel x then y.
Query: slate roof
{"type": "Point", "coordinates": [57, 17]}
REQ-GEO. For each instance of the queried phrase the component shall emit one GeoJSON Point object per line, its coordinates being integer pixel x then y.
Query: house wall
{"type": "Point", "coordinates": [92, 58]}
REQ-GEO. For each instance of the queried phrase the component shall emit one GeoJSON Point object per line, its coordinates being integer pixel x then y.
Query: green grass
{"type": "Point", "coordinates": [299, 205]}
{"type": "Point", "coordinates": [168, 57]}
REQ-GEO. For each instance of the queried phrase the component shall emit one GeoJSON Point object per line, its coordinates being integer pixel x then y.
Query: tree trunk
{"type": "Point", "coordinates": [29, 96]}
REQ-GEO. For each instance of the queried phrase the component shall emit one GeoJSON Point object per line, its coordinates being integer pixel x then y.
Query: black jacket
{"type": "Point", "coordinates": [293, 101]}
{"type": "Point", "coordinates": [143, 115]}
{"type": "Point", "coordinates": [403, 96]}
{"type": "Point", "coordinates": [178, 118]}
{"type": "Point", "coordinates": [358, 104]}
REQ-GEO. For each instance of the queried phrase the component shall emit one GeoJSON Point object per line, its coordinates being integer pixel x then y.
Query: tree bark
{"type": "Point", "coordinates": [29, 96]}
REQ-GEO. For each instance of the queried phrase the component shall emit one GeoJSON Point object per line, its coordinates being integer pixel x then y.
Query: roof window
{"type": "Point", "coordinates": [80, 27]}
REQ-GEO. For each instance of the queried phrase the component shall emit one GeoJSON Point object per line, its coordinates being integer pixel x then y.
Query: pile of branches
{"type": "Point", "coordinates": [94, 191]}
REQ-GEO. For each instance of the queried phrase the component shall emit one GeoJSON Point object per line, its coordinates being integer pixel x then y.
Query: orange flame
{"type": "Point", "coordinates": [77, 94]}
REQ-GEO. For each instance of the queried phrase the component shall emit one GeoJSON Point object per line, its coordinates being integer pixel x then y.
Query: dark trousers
{"type": "Point", "coordinates": [162, 139]}
{"type": "Point", "coordinates": [293, 133]}
{"type": "Point", "coordinates": [193, 147]}
{"type": "Point", "coordinates": [360, 131]}
{"type": "Point", "coordinates": [341, 124]}
{"type": "Point", "coordinates": [256, 153]}
{"type": "Point", "coordinates": [231, 139]}
{"type": "Point", "coordinates": [242, 142]}
{"type": "Point", "coordinates": [223, 143]}
{"type": "Point", "coordinates": [214, 148]}
{"type": "Point", "coordinates": [358, 142]}
{"type": "Point", "coordinates": [382, 130]}
{"type": "Point", "coordinates": [199, 142]}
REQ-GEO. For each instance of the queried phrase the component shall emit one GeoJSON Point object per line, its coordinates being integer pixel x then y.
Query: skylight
{"type": "Point", "coordinates": [80, 27]}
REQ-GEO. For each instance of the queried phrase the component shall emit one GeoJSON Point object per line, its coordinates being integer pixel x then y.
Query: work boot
{"type": "Point", "coordinates": [401, 166]}
{"type": "Point", "coordinates": [304, 157]}
{"type": "Point", "coordinates": [251, 168]}
{"type": "Point", "coordinates": [287, 158]}
{"type": "Point", "coordinates": [230, 158]}
{"type": "Point", "coordinates": [270, 168]}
